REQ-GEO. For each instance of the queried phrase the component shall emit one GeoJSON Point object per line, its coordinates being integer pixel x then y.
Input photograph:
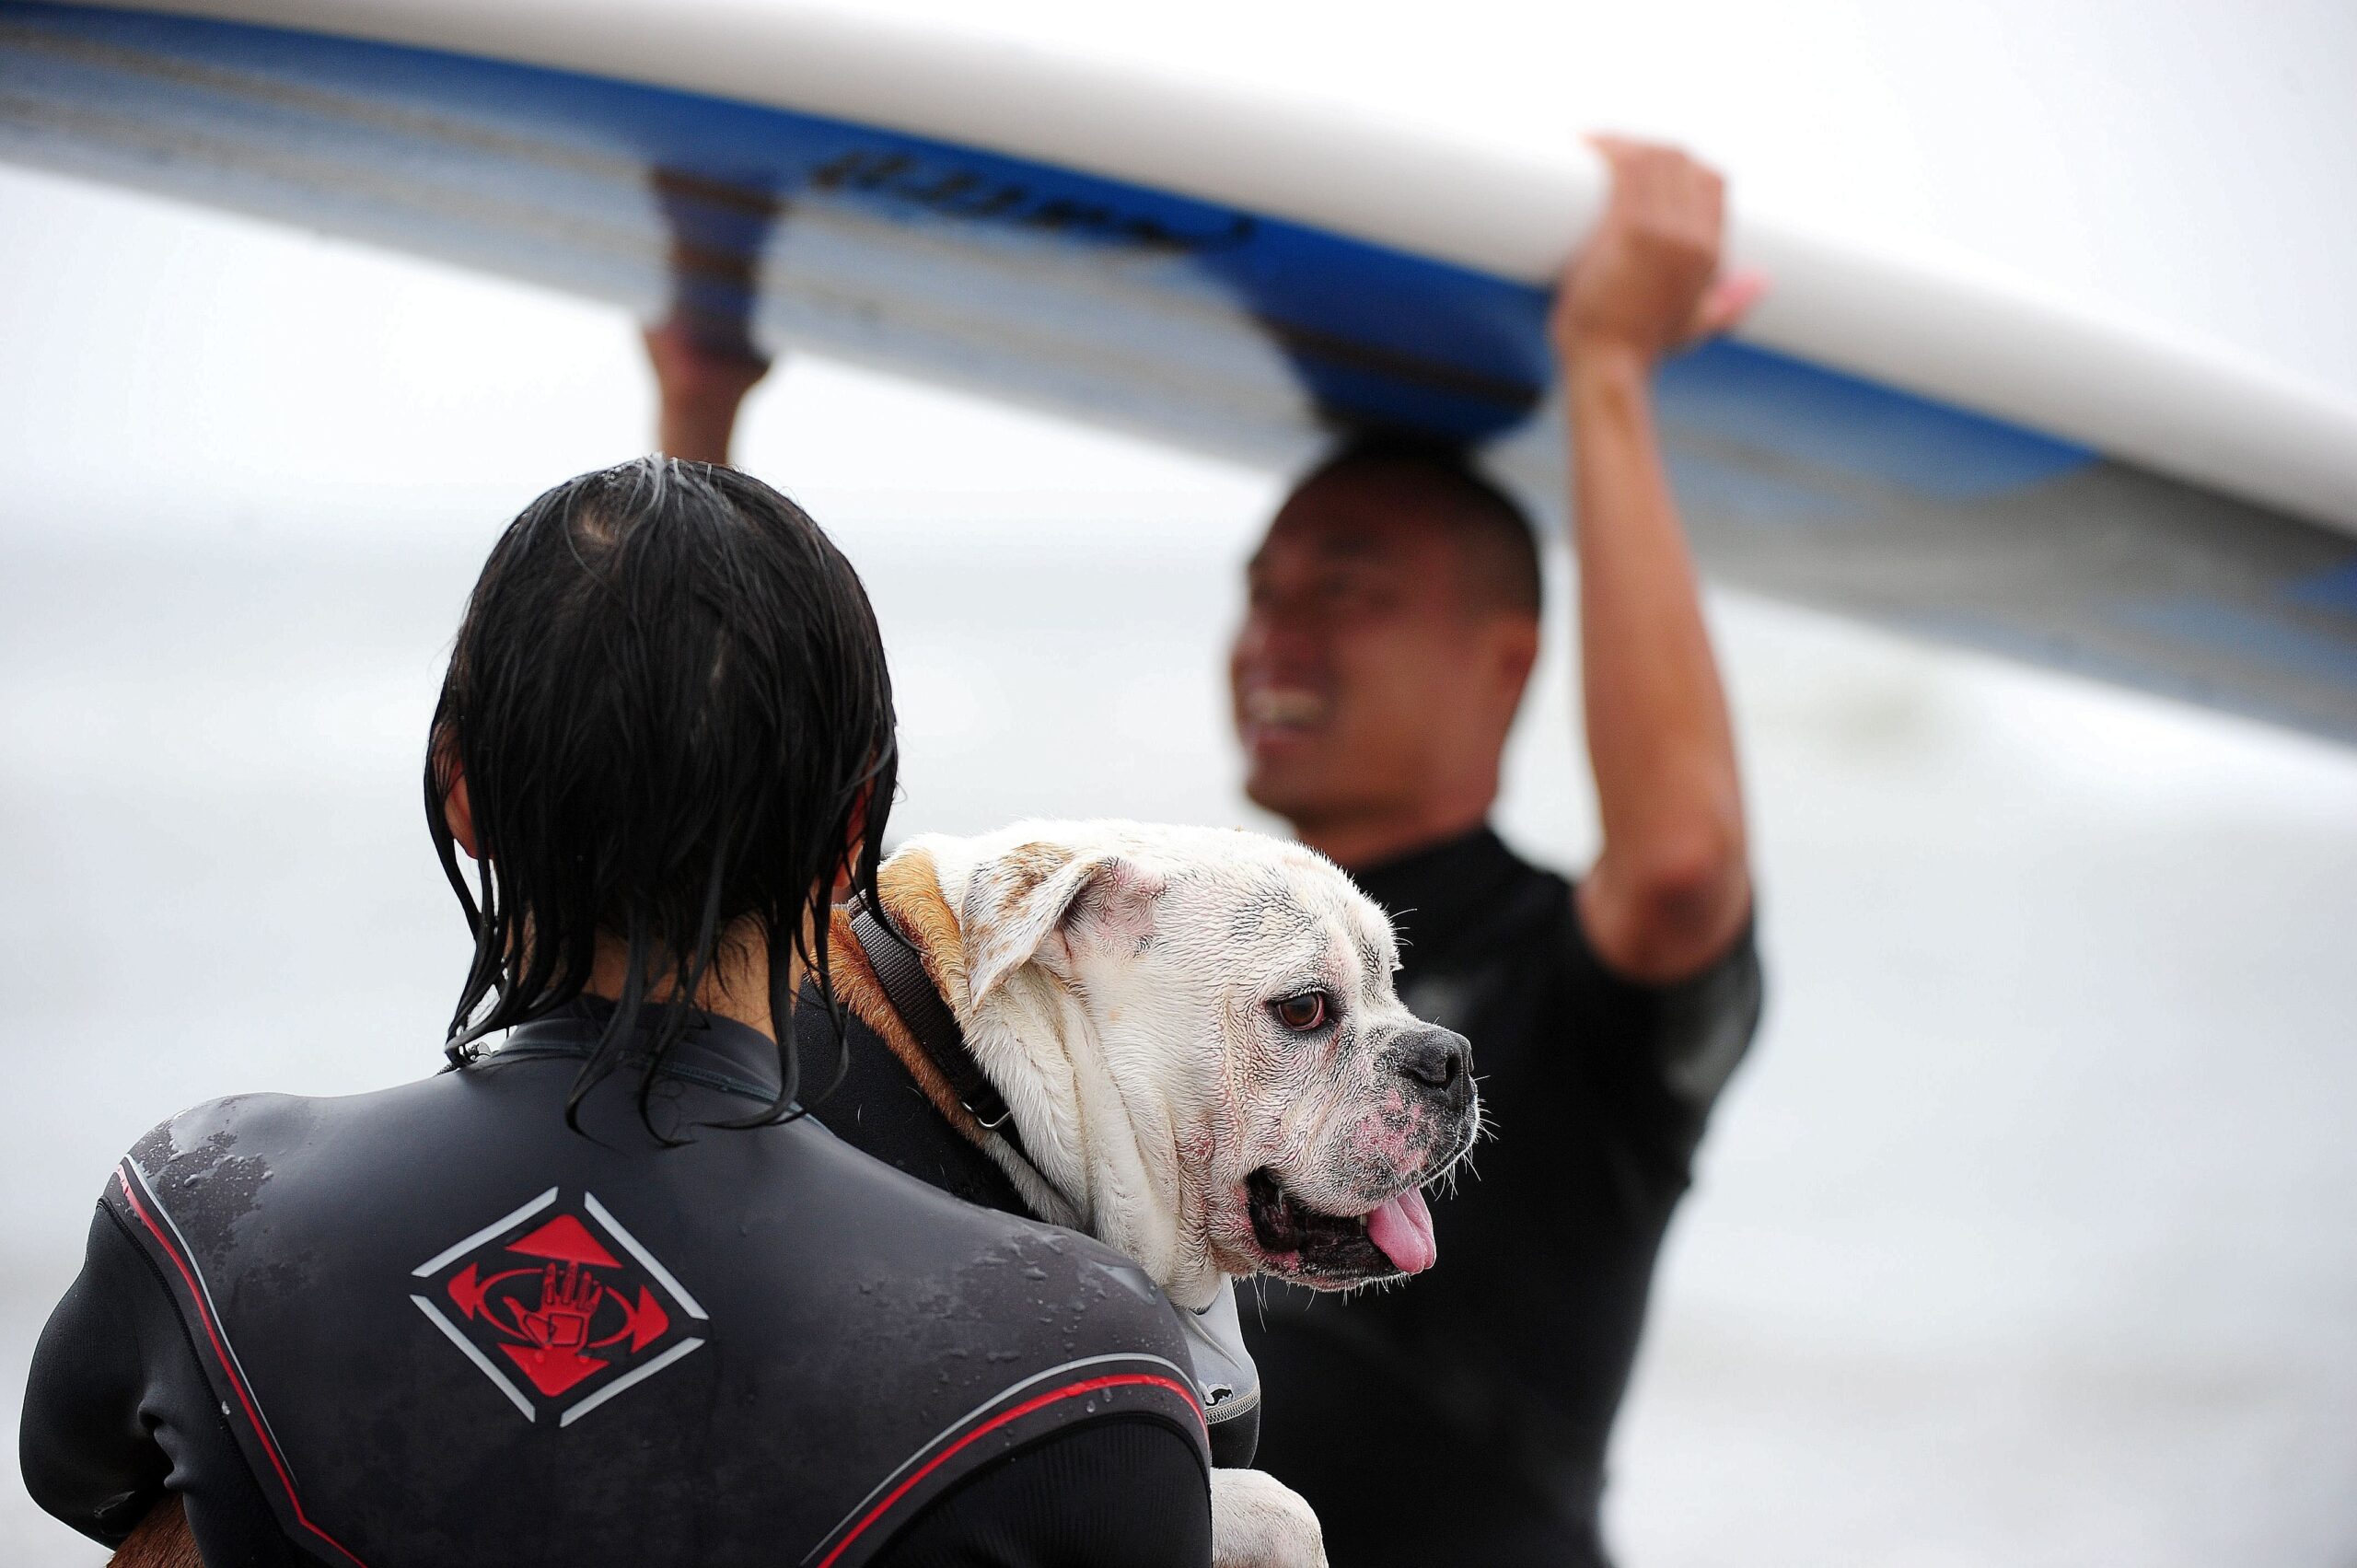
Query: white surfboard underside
{"type": "Point", "coordinates": [2001, 346]}
{"type": "Point", "coordinates": [1961, 457]}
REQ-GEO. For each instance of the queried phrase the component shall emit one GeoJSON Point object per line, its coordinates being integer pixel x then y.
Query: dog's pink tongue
{"type": "Point", "coordinates": [1403, 1229]}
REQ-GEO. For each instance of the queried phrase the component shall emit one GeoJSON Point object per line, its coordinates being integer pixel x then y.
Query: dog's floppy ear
{"type": "Point", "coordinates": [1041, 901]}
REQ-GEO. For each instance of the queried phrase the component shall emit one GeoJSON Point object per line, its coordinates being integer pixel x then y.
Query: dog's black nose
{"type": "Point", "coordinates": [1439, 1059]}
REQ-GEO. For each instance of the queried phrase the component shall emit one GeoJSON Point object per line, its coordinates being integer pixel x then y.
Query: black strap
{"type": "Point", "coordinates": [930, 1021]}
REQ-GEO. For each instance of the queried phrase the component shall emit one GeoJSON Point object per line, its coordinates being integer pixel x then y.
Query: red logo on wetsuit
{"type": "Point", "coordinates": [563, 1301]}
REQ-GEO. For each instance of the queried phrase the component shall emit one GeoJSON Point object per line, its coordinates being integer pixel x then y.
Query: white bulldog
{"type": "Point", "coordinates": [1197, 1038]}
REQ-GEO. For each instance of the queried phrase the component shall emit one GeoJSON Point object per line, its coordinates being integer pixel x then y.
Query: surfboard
{"type": "Point", "coordinates": [1953, 455]}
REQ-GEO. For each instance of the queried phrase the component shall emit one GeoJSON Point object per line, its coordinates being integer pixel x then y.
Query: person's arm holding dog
{"type": "Point", "coordinates": [1671, 889]}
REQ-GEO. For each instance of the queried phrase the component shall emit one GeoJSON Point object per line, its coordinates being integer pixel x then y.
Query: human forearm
{"type": "Point", "coordinates": [698, 389]}
{"type": "Point", "coordinates": [1670, 879]}
{"type": "Point", "coordinates": [695, 432]}
{"type": "Point", "coordinates": [1670, 887]}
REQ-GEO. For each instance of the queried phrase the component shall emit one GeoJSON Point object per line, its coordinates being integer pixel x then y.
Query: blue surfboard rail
{"type": "Point", "coordinates": [1225, 330]}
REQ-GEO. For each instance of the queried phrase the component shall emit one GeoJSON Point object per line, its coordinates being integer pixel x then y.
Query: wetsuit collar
{"type": "Point", "coordinates": [714, 1052]}
{"type": "Point", "coordinates": [1442, 886]}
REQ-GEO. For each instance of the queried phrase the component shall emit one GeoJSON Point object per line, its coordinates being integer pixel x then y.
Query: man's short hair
{"type": "Point", "coordinates": [668, 703]}
{"type": "Point", "coordinates": [1498, 543]}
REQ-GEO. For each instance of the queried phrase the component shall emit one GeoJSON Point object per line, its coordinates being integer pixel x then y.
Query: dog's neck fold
{"type": "Point", "coordinates": [1093, 1147]}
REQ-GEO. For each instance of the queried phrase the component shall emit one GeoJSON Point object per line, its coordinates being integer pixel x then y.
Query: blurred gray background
{"type": "Point", "coordinates": [2026, 1236]}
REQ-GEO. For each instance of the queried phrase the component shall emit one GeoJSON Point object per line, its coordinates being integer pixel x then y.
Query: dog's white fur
{"type": "Point", "coordinates": [1116, 984]}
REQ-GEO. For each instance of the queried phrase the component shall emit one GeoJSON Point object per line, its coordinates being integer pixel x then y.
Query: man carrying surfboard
{"type": "Point", "coordinates": [1393, 623]}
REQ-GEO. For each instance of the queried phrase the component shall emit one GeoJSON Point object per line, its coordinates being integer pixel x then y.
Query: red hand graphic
{"type": "Point", "coordinates": [558, 1329]}
{"type": "Point", "coordinates": [566, 1307]}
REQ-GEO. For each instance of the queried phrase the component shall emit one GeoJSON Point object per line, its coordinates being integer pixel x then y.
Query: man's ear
{"type": "Point", "coordinates": [459, 814]}
{"type": "Point", "coordinates": [1043, 903]}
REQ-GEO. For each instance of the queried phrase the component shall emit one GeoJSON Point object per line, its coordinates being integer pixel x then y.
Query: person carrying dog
{"type": "Point", "coordinates": [600, 1292]}
{"type": "Point", "coordinates": [1393, 623]}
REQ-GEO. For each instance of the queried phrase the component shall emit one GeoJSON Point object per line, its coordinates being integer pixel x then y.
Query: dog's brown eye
{"type": "Point", "coordinates": [1301, 1012]}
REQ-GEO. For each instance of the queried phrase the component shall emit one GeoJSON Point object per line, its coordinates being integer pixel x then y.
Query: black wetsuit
{"type": "Point", "coordinates": [878, 1108]}
{"type": "Point", "coordinates": [1463, 1417]}
{"type": "Point", "coordinates": [433, 1325]}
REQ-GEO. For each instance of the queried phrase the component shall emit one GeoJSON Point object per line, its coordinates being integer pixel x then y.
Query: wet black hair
{"type": "Point", "coordinates": [668, 704]}
{"type": "Point", "coordinates": [1500, 541]}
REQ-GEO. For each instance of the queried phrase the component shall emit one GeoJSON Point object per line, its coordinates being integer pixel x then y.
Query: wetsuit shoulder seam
{"type": "Point", "coordinates": [187, 1337]}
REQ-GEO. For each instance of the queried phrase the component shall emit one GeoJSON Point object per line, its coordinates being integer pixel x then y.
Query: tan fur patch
{"type": "Point", "coordinates": [161, 1540]}
{"type": "Point", "coordinates": [1027, 866]}
{"type": "Point", "coordinates": [912, 890]}
{"type": "Point", "coordinates": [863, 993]}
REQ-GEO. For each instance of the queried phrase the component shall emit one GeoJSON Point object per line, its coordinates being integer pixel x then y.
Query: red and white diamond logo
{"type": "Point", "coordinates": [562, 1303]}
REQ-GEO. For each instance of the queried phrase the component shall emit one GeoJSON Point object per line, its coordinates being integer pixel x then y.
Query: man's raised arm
{"type": "Point", "coordinates": [698, 388]}
{"type": "Point", "coordinates": [1671, 889]}
{"type": "Point", "coordinates": [703, 353]}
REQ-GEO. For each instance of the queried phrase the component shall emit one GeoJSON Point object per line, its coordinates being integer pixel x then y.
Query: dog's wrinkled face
{"type": "Point", "coordinates": [1239, 990]}
{"type": "Point", "coordinates": [1343, 1105]}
